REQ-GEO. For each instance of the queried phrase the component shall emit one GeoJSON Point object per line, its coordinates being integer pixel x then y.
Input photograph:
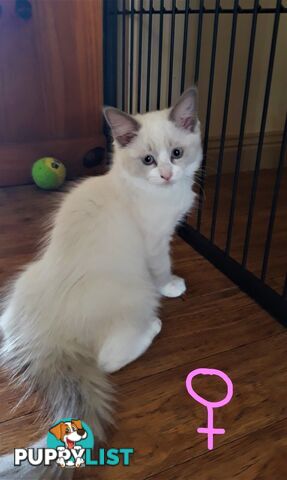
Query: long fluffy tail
{"type": "Point", "coordinates": [71, 385]}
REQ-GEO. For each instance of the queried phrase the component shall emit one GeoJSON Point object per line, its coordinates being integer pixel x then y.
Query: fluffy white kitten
{"type": "Point", "coordinates": [88, 305]}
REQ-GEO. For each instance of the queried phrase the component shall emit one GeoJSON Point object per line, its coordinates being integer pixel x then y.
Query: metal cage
{"type": "Point", "coordinates": [153, 49]}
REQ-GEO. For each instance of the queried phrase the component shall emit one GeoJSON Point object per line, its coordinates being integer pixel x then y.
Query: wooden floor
{"type": "Point", "coordinates": [277, 265]}
{"type": "Point", "coordinates": [213, 325]}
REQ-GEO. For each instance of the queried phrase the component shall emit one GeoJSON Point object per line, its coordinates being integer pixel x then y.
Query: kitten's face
{"type": "Point", "coordinates": [159, 147]}
{"type": "Point", "coordinates": [161, 153]}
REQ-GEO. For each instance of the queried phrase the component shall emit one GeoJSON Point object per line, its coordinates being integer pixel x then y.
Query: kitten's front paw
{"type": "Point", "coordinates": [174, 288]}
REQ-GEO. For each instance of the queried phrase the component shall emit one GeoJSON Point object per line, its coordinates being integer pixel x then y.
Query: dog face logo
{"type": "Point", "coordinates": [69, 433]}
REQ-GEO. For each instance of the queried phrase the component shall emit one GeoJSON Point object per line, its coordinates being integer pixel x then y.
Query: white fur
{"type": "Point", "coordinates": [108, 256]}
{"type": "Point", "coordinates": [96, 287]}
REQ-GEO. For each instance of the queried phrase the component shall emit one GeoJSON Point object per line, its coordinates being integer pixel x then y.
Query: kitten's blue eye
{"type": "Point", "coordinates": [176, 153]}
{"type": "Point", "coordinates": [148, 160]}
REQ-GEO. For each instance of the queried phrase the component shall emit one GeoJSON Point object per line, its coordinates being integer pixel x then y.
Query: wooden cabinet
{"type": "Point", "coordinates": [51, 84]}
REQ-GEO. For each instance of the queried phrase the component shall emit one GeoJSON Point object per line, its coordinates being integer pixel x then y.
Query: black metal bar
{"type": "Point", "coordinates": [124, 59]}
{"type": "Point", "coordinates": [285, 289]}
{"type": "Point", "coordinates": [198, 42]}
{"type": "Point", "coordinates": [224, 121]}
{"type": "Point", "coordinates": [212, 10]}
{"type": "Point", "coordinates": [110, 60]}
{"type": "Point", "coordinates": [132, 28]}
{"type": "Point", "coordinates": [140, 55]}
{"type": "Point", "coordinates": [261, 136]}
{"type": "Point", "coordinates": [208, 113]}
{"type": "Point", "coordinates": [274, 202]}
{"type": "Point", "coordinates": [272, 301]}
{"type": "Point", "coordinates": [242, 127]}
{"type": "Point", "coordinates": [149, 54]}
{"type": "Point", "coordinates": [160, 54]}
{"type": "Point", "coordinates": [171, 53]}
{"type": "Point", "coordinates": [184, 46]}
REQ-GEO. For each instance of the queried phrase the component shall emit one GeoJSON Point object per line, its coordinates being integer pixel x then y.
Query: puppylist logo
{"type": "Point", "coordinates": [70, 444]}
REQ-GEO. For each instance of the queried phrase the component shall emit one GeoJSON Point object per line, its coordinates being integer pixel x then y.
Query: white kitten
{"type": "Point", "coordinates": [89, 304]}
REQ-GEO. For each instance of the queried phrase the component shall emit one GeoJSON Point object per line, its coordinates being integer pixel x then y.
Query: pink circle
{"type": "Point", "coordinates": [209, 371]}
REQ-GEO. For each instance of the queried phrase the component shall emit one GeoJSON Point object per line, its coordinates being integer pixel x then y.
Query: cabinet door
{"type": "Point", "coordinates": [51, 84]}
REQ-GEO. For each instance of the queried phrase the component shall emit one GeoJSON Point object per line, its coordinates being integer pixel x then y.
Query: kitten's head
{"type": "Point", "coordinates": [159, 147]}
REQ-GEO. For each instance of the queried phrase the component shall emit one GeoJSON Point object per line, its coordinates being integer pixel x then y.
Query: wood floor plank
{"type": "Point", "coordinates": [198, 331]}
{"type": "Point", "coordinates": [212, 325]}
{"type": "Point", "coordinates": [159, 420]}
{"type": "Point", "coordinates": [258, 456]}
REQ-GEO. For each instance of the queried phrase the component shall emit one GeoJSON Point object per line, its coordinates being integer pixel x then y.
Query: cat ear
{"type": "Point", "coordinates": [184, 113]}
{"type": "Point", "coordinates": [124, 127]}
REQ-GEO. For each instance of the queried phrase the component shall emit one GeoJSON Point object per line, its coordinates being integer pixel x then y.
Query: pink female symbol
{"type": "Point", "coordinates": [210, 431]}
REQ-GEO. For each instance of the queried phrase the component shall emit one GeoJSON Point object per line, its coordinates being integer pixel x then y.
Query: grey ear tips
{"type": "Point", "coordinates": [105, 111]}
{"type": "Point", "coordinates": [193, 88]}
{"type": "Point", "coordinates": [123, 126]}
{"type": "Point", "coordinates": [193, 91]}
{"type": "Point", "coordinates": [190, 92]}
{"type": "Point", "coordinates": [184, 112]}
{"type": "Point", "coordinates": [105, 108]}
{"type": "Point", "coordinates": [110, 113]}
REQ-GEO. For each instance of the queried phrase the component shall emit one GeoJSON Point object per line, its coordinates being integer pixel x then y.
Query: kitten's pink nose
{"type": "Point", "coordinates": [166, 174]}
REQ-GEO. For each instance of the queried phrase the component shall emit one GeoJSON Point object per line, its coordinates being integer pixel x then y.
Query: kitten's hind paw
{"type": "Point", "coordinates": [174, 288]}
